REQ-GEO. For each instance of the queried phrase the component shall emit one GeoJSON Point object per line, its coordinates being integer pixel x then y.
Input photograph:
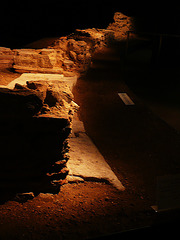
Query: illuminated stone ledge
{"type": "Point", "coordinates": [121, 25]}
{"type": "Point", "coordinates": [6, 57]}
{"type": "Point", "coordinates": [69, 54]}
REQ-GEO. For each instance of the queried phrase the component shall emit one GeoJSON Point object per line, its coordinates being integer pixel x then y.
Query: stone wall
{"type": "Point", "coordinates": [36, 121]}
{"type": "Point", "coordinates": [6, 57]}
{"type": "Point", "coordinates": [42, 60]}
{"type": "Point", "coordinates": [67, 55]}
{"type": "Point", "coordinates": [121, 25]}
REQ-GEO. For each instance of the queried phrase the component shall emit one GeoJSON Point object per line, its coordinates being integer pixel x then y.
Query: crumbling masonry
{"type": "Point", "coordinates": [36, 118]}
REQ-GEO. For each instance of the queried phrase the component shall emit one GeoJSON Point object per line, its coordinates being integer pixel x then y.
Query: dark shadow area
{"type": "Point", "coordinates": [24, 22]}
{"type": "Point", "coordinates": [152, 73]}
{"type": "Point", "coordinates": [33, 148]}
{"type": "Point", "coordinates": [28, 152]}
{"type": "Point", "coordinates": [165, 230]}
{"type": "Point", "coordinates": [137, 144]}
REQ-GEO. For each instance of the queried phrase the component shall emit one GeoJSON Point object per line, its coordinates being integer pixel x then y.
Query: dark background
{"type": "Point", "coordinates": [24, 22]}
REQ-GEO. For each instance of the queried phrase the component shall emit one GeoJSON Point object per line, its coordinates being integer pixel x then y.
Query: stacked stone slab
{"type": "Point", "coordinates": [6, 58]}
{"type": "Point", "coordinates": [67, 55]}
{"type": "Point", "coordinates": [36, 121]}
{"type": "Point", "coordinates": [38, 60]}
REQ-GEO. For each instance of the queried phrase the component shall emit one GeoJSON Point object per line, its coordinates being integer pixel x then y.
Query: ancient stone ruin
{"type": "Point", "coordinates": [37, 117]}
{"type": "Point", "coordinates": [36, 122]}
{"type": "Point", "coordinates": [121, 25]}
{"type": "Point", "coordinates": [68, 55]}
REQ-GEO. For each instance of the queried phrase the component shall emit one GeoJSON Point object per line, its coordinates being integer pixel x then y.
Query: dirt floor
{"type": "Point", "coordinates": [79, 211]}
{"type": "Point", "coordinates": [137, 145]}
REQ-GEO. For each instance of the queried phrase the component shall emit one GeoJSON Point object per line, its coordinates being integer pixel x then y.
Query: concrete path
{"type": "Point", "coordinates": [86, 162]}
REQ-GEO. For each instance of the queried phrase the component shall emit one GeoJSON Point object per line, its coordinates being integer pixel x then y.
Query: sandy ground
{"type": "Point", "coordinates": [79, 211]}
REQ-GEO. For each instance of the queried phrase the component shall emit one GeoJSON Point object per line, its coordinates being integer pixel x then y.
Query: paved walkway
{"type": "Point", "coordinates": [86, 162]}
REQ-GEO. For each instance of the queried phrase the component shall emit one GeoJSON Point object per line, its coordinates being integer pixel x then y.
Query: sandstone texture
{"type": "Point", "coordinates": [121, 25]}
{"type": "Point", "coordinates": [36, 121]}
{"type": "Point", "coordinates": [6, 57]}
{"type": "Point", "coordinates": [67, 55]}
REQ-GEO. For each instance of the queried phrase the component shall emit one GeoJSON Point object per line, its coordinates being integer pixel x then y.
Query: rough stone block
{"type": "Point", "coordinates": [6, 58]}
{"type": "Point", "coordinates": [35, 147]}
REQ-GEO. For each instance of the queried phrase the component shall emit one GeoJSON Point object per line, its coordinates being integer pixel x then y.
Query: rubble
{"type": "Point", "coordinates": [121, 25]}
{"type": "Point", "coordinates": [6, 57]}
{"type": "Point", "coordinates": [36, 123]}
{"type": "Point", "coordinates": [67, 55]}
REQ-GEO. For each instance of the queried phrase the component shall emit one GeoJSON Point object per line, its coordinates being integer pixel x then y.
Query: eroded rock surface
{"type": "Point", "coordinates": [36, 122]}
{"type": "Point", "coordinates": [121, 25]}
{"type": "Point", "coordinates": [70, 54]}
{"type": "Point", "coordinates": [6, 57]}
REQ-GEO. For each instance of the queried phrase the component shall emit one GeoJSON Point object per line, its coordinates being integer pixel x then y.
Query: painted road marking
{"type": "Point", "coordinates": [126, 99]}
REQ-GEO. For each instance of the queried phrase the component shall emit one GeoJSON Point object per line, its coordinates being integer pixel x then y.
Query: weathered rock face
{"type": "Point", "coordinates": [121, 25]}
{"type": "Point", "coordinates": [41, 60]}
{"type": "Point", "coordinates": [95, 38]}
{"type": "Point", "coordinates": [36, 121]}
{"type": "Point", "coordinates": [6, 57]}
{"type": "Point", "coordinates": [68, 55]}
